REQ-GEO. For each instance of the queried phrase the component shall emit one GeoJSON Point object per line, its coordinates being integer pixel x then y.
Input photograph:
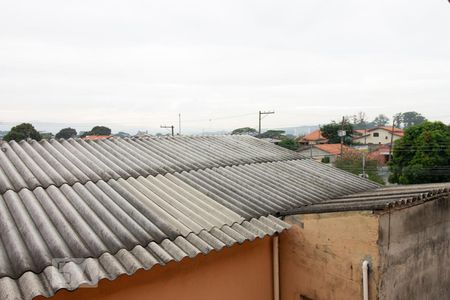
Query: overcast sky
{"type": "Point", "coordinates": [137, 64]}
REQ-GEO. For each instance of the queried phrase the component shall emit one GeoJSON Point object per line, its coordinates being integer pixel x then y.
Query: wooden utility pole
{"type": "Point", "coordinates": [259, 115]}
{"type": "Point", "coordinates": [179, 124]}
{"type": "Point", "coordinates": [171, 127]}
{"type": "Point", "coordinates": [342, 135]}
{"type": "Point", "coordinates": [392, 138]}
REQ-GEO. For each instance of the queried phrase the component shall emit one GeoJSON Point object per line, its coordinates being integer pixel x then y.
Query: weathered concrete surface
{"type": "Point", "coordinates": [415, 252]}
{"type": "Point", "coordinates": [321, 255]}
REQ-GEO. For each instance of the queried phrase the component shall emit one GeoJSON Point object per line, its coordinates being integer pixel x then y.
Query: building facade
{"type": "Point", "coordinates": [379, 135]}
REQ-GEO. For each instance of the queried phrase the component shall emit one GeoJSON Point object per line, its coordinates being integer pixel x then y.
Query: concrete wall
{"type": "Point", "coordinates": [240, 272]}
{"type": "Point", "coordinates": [415, 249]}
{"type": "Point", "coordinates": [321, 256]}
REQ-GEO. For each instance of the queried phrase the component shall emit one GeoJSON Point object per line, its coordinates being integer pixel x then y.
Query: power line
{"type": "Point", "coordinates": [219, 118]}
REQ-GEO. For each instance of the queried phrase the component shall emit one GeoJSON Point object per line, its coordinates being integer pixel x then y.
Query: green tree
{"type": "Point", "coordinates": [380, 120]}
{"type": "Point", "coordinates": [330, 131]}
{"type": "Point", "coordinates": [272, 134]}
{"type": "Point", "coordinates": [359, 121]}
{"type": "Point", "coordinates": [66, 133]}
{"type": "Point", "coordinates": [422, 155]}
{"type": "Point", "coordinates": [411, 118]}
{"type": "Point", "coordinates": [46, 135]}
{"type": "Point", "coordinates": [97, 130]}
{"type": "Point", "coordinates": [22, 132]}
{"type": "Point", "coordinates": [289, 143]}
{"type": "Point", "coordinates": [100, 130]}
{"type": "Point", "coordinates": [244, 130]}
{"type": "Point", "coordinates": [352, 162]}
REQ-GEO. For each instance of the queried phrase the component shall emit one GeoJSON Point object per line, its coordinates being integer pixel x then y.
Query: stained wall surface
{"type": "Point", "coordinates": [321, 255]}
{"type": "Point", "coordinates": [415, 246]}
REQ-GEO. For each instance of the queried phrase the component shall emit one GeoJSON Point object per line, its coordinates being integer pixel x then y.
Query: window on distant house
{"type": "Point", "coordinates": [386, 137]}
{"type": "Point", "coordinates": [376, 134]}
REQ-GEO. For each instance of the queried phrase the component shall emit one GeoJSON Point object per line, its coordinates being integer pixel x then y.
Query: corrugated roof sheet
{"type": "Point", "coordinates": [378, 199]}
{"type": "Point", "coordinates": [116, 227]}
{"type": "Point", "coordinates": [72, 273]}
{"type": "Point", "coordinates": [31, 164]}
{"type": "Point", "coordinates": [119, 205]}
{"type": "Point", "coordinates": [267, 188]}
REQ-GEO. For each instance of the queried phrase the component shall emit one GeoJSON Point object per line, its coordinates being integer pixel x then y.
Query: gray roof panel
{"type": "Point", "coordinates": [112, 207]}
{"type": "Point", "coordinates": [31, 164]}
{"type": "Point", "coordinates": [378, 199]}
{"type": "Point", "coordinates": [268, 188]}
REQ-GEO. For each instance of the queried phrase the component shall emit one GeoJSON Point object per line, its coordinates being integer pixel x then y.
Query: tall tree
{"type": "Point", "coordinates": [244, 130]}
{"type": "Point", "coordinates": [98, 130]}
{"type": "Point", "coordinates": [272, 134]}
{"type": "Point", "coordinates": [359, 120]}
{"type": "Point", "coordinates": [422, 155]}
{"type": "Point", "coordinates": [412, 118]}
{"type": "Point", "coordinates": [22, 132]}
{"type": "Point", "coordinates": [66, 133]}
{"type": "Point", "coordinates": [289, 143]}
{"type": "Point", "coordinates": [352, 161]}
{"type": "Point", "coordinates": [330, 131]}
{"type": "Point", "coordinates": [381, 120]}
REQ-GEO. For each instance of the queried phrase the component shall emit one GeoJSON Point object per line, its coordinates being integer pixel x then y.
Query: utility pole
{"type": "Point", "coordinates": [171, 127]}
{"type": "Point", "coordinates": [392, 138]}
{"type": "Point", "coordinates": [364, 164]}
{"type": "Point", "coordinates": [365, 133]}
{"type": "Point", "coordinates": [342, 134]}
{"type": "Point", "coordinates": [263, 113]}
{"type": "Point", "coordinates": [179, 124]}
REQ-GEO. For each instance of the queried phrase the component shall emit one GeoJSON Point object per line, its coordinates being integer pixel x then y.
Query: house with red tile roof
{"type": "Point", "coordinates": [379, 135]}
{"type": "Point", "coordinates": [313, 138]}
{"type": "Point", "coordinates": [320, 151]}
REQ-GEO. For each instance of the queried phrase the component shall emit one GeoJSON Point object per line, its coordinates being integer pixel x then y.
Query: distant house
{"type": "Point", "coordinates": [379, 135]}
{"type": "Point", "coordinates": [360, 131]}
{"type": "Point", "coordinates": [320, 151]}
{"type": "Point", "coordinates": [381, 154]}
{"type": "Point", "coordinates": [313, 138]}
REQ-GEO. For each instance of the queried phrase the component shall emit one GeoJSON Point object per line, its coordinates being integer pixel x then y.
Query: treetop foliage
{"type": "Point", "coordinates": [98, 130]}
{"type": "Point", "coordinates": [22, 132]}
{"type": "Point", "coordinates": [272, 134]}
{"type": "Point", "coordinates": [380, 120]}
{"type": "Point", "coordinates": [352, 162]}
{"type": "Point", "coordinates": [244, 130]}
{"type": "Point", "coordinates": [330, 131]}
{"type": "Point", "coordinates": [66, 133]}
{"type": "Point", "coordinates": [422, 155]}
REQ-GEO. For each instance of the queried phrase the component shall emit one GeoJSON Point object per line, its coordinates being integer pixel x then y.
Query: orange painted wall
{"type": "Point", "coordinates": [240, 272]}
